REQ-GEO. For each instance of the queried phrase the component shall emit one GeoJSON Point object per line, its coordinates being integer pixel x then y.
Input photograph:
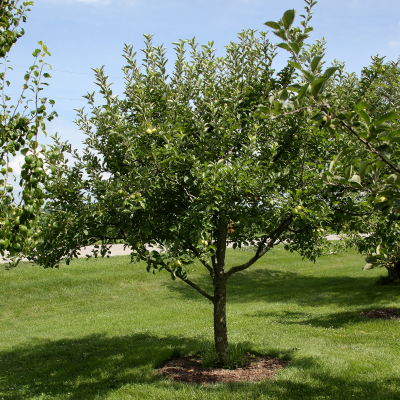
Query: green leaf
{"type": "Point", "coordinates": [24, 151]}
{"type": "Point", "coordinates": [390, 116]}
{"type": "Point", "coordinates": [330, 71]}
{"type": "Point", "coordinates": [356, 179]}
{"type": "Point", "coordinates": [295, 47]}
{"type": "Point", "coordinates": [263, 109]}
{"type": "Point", "coordinates": [380, 206]}
{"type": "Point", "coordinates": [273, 25]}
{"type": "Point", "coordinates": [295, 65]}
{"type": "Point", "coordinates": [360, 106]}
{"type": "Point", "coordinates": [285, 46]}
{"type": "Point", "coordinates": [385, 150]}
{"type": "Point", "coordinates": [303, 90]}
{"type": "Point", "coordinates": [392, 179]}
{"type": "Point", "coordinates": [281, 33]}
{"type": "Point", "coordinates": [309, 75]}
{"type": "Point", "coordinates": [318, 117]}
{"type": "Point", "coordinates": [288, 18]}
{"type": "Point", "coordinates": [315, 62]}
{"type": "Point", "coordinates": [283, 95]}
{"type": "Point", "coordinates": [362, 169]}
{"type": "Point", "coordinates": [301, 37]}
{"type": "Point", "coordinates": [365, 117]}
{"type": "Point", "coordinates": [294, 88]}
{"type": "Point", "coordinates": [277, 105]}
{"type": "Point", "coordinates": [316, 86]}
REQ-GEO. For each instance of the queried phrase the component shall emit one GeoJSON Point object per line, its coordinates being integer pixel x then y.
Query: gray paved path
{"type": "Point", "coordinates": [118, 249]}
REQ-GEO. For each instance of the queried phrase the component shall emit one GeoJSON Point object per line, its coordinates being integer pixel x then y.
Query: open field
{"type": "Point", "coordinates": [96, 330]}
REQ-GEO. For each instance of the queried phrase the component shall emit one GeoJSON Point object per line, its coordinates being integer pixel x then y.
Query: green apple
{"type": "Point", "coordinates": [29, 159]}
{"type": "Point", "coordinates": [177, 263]}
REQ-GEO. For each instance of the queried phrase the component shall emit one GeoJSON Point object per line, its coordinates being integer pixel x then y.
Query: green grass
{"type": "Point", "coordinates": [96, 330]}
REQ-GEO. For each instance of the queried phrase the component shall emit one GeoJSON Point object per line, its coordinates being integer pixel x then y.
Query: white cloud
{"type": "Point", "coordinates": [16, 164]}
{"type": "Point", "coordinates": [394, 43]}
{"type": "Point", "coordinates": [67, 130]}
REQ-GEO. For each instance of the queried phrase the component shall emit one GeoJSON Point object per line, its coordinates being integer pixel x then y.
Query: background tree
{"type": "Point", "coordinates": [369, 157]}
{"type": "Point", "coordinates": [183, 164]}
{"type": "Point", "coordinates": [379, 86]}
{"type": "Point", "coordinates": [20, 124]}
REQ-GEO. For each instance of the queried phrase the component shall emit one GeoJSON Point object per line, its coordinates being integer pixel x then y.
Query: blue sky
{"type": "Point", "coordinates": [83, 34]}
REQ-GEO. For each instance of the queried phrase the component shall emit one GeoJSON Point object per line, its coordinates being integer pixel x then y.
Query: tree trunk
{"type": "Point", "coordinates": [219, 281]}
{"type": "Point", "coordinates": [220, 331]}
{"type": "Point", "coordinates": [394, 272]}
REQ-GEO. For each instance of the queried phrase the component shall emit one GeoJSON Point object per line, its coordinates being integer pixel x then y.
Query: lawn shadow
{"type": "Point", "coordinates": [324, 385]}
{"type": "Point", "coordinates": [87, 367]}
{"type": "Point", "coordinates": [327, 320]}
{"type": "Point", "coordinates": [94, 366]}
{"type": "Point", "coordinates": [290, 287]}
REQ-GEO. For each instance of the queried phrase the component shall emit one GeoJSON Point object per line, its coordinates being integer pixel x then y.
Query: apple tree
{"type": "Point", "coordinates": [183, 163]}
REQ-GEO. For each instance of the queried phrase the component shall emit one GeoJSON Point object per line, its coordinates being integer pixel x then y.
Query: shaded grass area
{"type": "Point", "coordinates": [98, 328]}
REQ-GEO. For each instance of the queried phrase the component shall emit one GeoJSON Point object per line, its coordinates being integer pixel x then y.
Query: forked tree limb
{"type": "Point", "coordinates": [193, 285]}
{"type": "Point", "coordinates": [262, 248]}
{"type": "Point", "coordinates": [205, 263]}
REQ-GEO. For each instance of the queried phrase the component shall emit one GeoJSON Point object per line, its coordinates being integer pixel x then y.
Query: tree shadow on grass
{"type": "Point", "coordinates": [311, 381]}
{"type": "Point", "coordinates": [86, 367]}
{"type": "Point", "coordinates": [289, 287]}
{"type": "Point", "coordinates": [323, 385]}
{"type": "Point", "coordinates": [326, 320]}
{"type": "Point", "coordinates": [94, 366]}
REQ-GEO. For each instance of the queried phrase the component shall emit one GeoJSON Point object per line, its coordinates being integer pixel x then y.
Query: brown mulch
{"type": "Point", "coordinates": [385, 313]}
{"type": "Point", "coordinates": [189, 369]}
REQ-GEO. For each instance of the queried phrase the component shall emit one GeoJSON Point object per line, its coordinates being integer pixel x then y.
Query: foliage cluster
{"type": "Point", "coordinates": [20, 125]}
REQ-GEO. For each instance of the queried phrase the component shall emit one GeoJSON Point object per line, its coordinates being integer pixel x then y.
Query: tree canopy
{"type": "Point", "coordinates": [185, 163]}
{"type": "Point", "coordinates": [20, 126]}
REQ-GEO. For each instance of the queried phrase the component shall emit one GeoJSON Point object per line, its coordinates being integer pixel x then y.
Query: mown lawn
{"type": "Point", "coordinates": [96, 330]}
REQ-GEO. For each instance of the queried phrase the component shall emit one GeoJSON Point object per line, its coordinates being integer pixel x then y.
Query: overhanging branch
{"type": "Point", "coordinates": [370, 148]}
{"type": "Point", "coordinates": [205, 263]}
{"type": "Point", "coordinates": [193, 285]}
{"type": "Point", "coordinates": [262, 248]}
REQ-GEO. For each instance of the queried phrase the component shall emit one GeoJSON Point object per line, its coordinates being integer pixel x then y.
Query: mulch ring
{"type": "Point", "coordinates": [189, 369]}
{"type": "Point", "coordinates": [385, 313]}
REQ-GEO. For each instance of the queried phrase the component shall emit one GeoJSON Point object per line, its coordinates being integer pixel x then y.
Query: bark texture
{"type": "Point", "coordinates": [219, 281]}
{"type": "Point", "coordinates": [220, 331]}
{"type": "Point", "coordinates": [394, 272]}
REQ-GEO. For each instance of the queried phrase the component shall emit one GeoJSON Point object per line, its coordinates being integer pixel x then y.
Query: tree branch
{"type": "Point", "coordinates": [199, 289]}
{"type": "Point", "coordinates": [350, 213]}
{"type": "Point", "coordinates": [205, 263]}
{"type": "Point", "coordinates": [261, 249]}
{"type": "Point", "coordinates": [371, 148]}
{"type": "Point", "coordinates": [191, 197]}
{"type": "Point", "coordinates": [193, 285]}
